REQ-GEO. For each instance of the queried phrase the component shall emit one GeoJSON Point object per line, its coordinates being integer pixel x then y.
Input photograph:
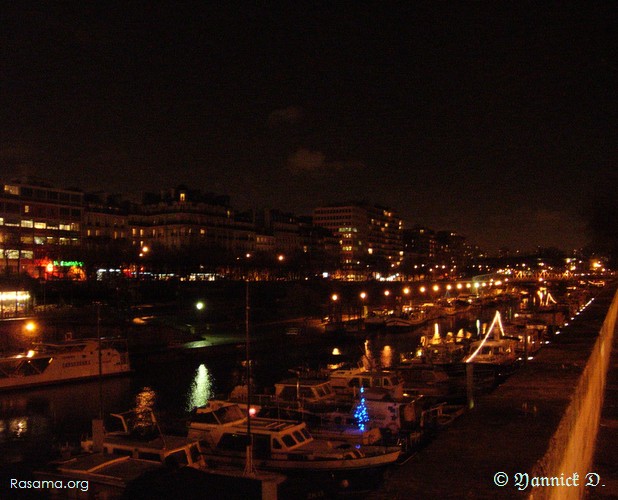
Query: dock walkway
{"type": "Point", "coordinates": [513, 429]}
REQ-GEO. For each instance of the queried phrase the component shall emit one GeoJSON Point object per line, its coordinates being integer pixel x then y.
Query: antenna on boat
{"type": "Point", "coordinates": [249, 469]}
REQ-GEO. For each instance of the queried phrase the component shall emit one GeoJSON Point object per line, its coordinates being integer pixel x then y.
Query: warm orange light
{"type": "Point", "coordinates": [30, 326]}
{"type": "Point", "coordinates": [49, 268]}
{"type": "Point", "coordinates": [363, 295]}
{"type": "Point", "coordinates": [334, 297]}
{"type": "Point", "coordinates": [406, 290]}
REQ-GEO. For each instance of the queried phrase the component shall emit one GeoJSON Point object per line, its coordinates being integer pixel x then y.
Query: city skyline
{"type": "Point", "coordinates": [490, 120]}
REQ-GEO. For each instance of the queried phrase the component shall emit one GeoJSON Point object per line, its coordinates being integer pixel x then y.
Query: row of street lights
{"type": "Point", "coordinates": [406, 291]}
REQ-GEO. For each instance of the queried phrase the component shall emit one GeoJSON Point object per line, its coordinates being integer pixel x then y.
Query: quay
{"type": "Point", "coordinates": [545, 425]}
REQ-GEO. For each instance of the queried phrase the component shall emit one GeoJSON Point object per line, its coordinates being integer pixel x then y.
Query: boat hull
{"type": "Point", "coordinates": [303, 464]}
{"type": "Point", "coordinates": [49, 364]}
{"type": "Point", "coordinates": [14, 384]}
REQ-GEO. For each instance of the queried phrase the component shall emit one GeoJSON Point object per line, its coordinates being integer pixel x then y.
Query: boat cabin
{"type": "Point", "coordinates": [349, 381]}
{"type": "Point", "coordinates": [304, 390]}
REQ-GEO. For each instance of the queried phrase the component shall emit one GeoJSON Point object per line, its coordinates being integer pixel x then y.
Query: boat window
{"type": "Point", "coordinates": [299, 437]}
{"type": "Point", "coordinates": [204, 418]}
{"type": "Point", "coordinates": [277, 444]}
{"type": "Point", "coordinates": [353, 382]}
{"type": "Point", "coordinates": [306, 433]}
{"type": "Point", "coordinates": [305, 392]}
{"type": "Point", "coordinates": [228, 414]}
{"type": "Point", "coordinates": [176, 459]}
{"type": "Point", "coordinates": [321, 392]}
{"type": "Point", "coordinates": [148, 455]}
{"type": "Point", "coordinates": [328, 389]}
{"type": "Point", "coordinates": [125, 453]}
{"type": "Point", "coordinates": [366, 382]}
{"type": "Point", "coordinates": [288, 440]}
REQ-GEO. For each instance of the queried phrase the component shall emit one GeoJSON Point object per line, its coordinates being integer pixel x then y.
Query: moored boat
{"type": "Point", "coordinates": [147, 462]}
{"type": "Point", "coordinates": [47, 363]}
{"type": "Point", "coordinates": [280, 445]}
{"type": "Point", "coordinates": [494, 348]}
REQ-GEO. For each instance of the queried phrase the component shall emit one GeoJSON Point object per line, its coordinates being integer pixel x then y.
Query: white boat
{"type": "Point", "coordinates": [494, 348]}
{"type": "Point", "coordinates": [336, 417]}
{"type": "Point", "coordinates": [130, 463]}
{"type": "Point", "coordinates": [280, 445]}
{"type": "Point", "coordinates": [71, 360]}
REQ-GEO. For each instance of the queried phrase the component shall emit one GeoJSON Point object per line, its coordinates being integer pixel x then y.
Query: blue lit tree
{"type": "Point", "coordinates": [360, 412]}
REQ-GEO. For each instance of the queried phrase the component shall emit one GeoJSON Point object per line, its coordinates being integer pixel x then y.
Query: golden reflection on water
{"type": "Point", "coordinates": [386, 357]}
{"type": "Point", "coordinates": [144, 409]}
{"type": "Point", "coordinates": [201, 388]}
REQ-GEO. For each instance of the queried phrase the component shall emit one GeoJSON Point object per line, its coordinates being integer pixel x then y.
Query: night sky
{"type": "Point", "coordinates": [493, 119]}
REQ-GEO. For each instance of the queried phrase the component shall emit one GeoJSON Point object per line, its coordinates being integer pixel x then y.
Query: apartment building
{"type": "Point", "coordinates": [368, 235]}
{"type": "Point", "coordinates": [40, 228]}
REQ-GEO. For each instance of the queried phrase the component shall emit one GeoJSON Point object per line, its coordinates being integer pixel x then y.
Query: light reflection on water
{"type": "Point", "coordinates": [201, 388]}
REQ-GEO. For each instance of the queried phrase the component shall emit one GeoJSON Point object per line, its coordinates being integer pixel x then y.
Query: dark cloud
{"type": "Point", "coordinates": [283, 116]}
{"type": "Point", "coordinates": [307, 161]}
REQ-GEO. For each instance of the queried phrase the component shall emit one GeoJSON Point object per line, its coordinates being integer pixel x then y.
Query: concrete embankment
{"type": "Point", "coordinates": [535, 435]}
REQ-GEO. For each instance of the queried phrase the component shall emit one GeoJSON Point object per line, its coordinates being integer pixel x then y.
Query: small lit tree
{"type": "Point", "coordinates": [360, 412]}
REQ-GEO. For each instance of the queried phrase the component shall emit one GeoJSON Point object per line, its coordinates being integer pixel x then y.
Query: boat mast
{"type": "Point", "coordinates": [100, 360]}
{"type": "Point", "coordinates": [249, 469]}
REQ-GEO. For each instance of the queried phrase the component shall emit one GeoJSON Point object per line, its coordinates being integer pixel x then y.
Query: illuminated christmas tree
{"type": "Point", "coordinates": [360, 412]}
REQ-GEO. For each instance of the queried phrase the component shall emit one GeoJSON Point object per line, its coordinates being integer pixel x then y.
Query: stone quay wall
{"type": "Point", "coordinates": [572, 446]}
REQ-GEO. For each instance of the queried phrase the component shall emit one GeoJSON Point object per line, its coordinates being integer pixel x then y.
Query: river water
{"type": "Point", "coordinates": [34, 423]}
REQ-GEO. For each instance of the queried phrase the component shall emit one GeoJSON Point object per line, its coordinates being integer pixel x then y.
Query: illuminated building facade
{"type": "Point", "coordinates": [39, 225]}
{"type": "Point", "coordinates": [369, 235]}
{"type": "Point", "coordinates": [188, 218]}
{"type": "Point", "coordinates": [283, 227]}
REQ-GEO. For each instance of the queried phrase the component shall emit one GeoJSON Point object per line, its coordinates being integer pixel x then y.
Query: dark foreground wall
{"type": "Point", "coordinates": [573, 444]}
